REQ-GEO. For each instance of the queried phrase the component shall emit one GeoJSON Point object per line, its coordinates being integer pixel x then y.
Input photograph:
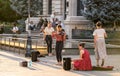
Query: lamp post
{"type": "Point", "coordinates": [28, 26]}
{"type": "Point", "coordinates": [28, 11]}
{"type": "Point", "coordinates": [29, 42]}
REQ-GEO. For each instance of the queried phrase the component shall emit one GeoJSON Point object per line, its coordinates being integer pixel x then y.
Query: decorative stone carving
{"type": "Point", "coordinates": [73, 21]}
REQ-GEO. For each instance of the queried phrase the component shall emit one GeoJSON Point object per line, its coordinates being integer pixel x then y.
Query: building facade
{"type": "Point", "coordinates": [67, 11]}
{"type": "Point", "coordinates": [62, 8]}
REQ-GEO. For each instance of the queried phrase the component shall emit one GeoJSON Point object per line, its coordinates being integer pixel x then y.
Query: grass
{"type": "Point", "coordinates": [114, 35]}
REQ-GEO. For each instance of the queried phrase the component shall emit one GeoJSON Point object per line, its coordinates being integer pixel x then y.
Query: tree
{"type": "Point", "coordinates": [108, 11]}
{"type": "Point", "coordinates": [21, 7]}
{"type": "Point", "coordinates": [6, 13]}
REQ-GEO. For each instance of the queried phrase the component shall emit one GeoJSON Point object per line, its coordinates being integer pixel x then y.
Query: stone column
{"type": "Point", "coordinates": [73, 21]}
{"type": "Point", "coordinates": [45, 7]}
{"type": "Point", "coordinates": [72, 8]}
{"type": "Point", "coordinates": [72, 12]}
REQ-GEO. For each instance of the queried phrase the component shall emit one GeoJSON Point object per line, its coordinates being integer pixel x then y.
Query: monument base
{"type": "Point", "coordinates": [76, 22]}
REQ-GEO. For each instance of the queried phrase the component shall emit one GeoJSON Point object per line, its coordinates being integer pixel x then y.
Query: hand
{"type": "Point", "coordinates": [94, 45]}
{"type": "Point", "coordinates": [95, 50]}
{"type": "Point", "coordinates": [44, 39]}
{"type": "Point", "coordinates": [81, 58]}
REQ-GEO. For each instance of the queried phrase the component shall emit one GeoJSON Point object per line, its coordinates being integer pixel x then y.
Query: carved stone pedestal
{"type": "Point", "coordinates": [76, 22]}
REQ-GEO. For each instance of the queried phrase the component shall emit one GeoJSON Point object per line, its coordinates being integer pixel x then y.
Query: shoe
{"type": "Point", "coordinates": [102, 63]}
{"type": "Point", "coordinates": [59, 63]}
{"type": "Point", "coordinates": [50, 54]}
{"type": "Point", "coordinates": [97, 65]}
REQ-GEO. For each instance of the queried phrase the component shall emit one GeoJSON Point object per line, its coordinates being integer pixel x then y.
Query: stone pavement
{"type": "Point", "coordinates": [9, 66]}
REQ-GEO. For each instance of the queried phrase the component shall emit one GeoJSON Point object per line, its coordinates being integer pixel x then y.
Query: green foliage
{"type": "Point", "coordinates": [6, 13]}
{"type": "Point", "coordinates": [108, 11]}
{"type": "Point", "coordinates": [7, 27]}
{"type": "Point", "coordinates": [113, 35]}
{"type": "Point", "coordinates": [21, 6]}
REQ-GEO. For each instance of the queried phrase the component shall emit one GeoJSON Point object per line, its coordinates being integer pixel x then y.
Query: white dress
{"type": "Point", "coordinates": [100, 49]}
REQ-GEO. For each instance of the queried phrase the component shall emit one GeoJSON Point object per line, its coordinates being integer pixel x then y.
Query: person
{"type": "Point", "coordinates": [52, 16]}
{"type": "Point", "coordinates": [54, 24]}
{"type": "Point", "coordinates": [48, 37]}
{"type": "Point", "coordinates": [60, 23]}
{"type": "Point", "coordinates": [45, 23]}
{"type": "Point", "coordinates": [99, 43]}
{"type": "Point", "coordinates": [31, 26]}
{"type": "Point", "coordinates": [59, 35]}
{"type": "Point", "coordinates": [84, 62]}
{"type": "Point", "coordinates": [39, 25]}
{"type": "Point", "coordinates": [1, 29]}
{"type": "Point", "coordinates": [15, 29]}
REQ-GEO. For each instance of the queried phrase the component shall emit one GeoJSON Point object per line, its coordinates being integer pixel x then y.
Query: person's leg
{"type": "Point", "coordinates": [97, 61]}
{"type": "Point", "coordinates": [57, 49]}
{"type": "Point", "coordinates": [47, 41]}
{"type": "Point", "coordinates": [102, 62]}
{"type": "Point", "coordinates": [60, 52]}
{"type": "Point", "coordinates": [97, 57]}
{"type": "Point", "coordinates": [50, 45]}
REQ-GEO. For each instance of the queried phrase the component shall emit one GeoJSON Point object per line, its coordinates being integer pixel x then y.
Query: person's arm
{"type": "Point", "coordinates": [105, 35]}
{"type": "Point", "coordinates": [81, 54]}
{"type": "Point", "coordinates": [54, 34]}
{"type": "Point", "coordinates": [64, 37]}
{"type": "Point", "coordinates": [44, 34]}
{"type": "Point", "coordinates": [95, 37]}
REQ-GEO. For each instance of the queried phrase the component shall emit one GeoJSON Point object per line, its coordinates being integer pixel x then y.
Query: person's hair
{"type": "Point", "coordinates": [59, 26]}
{"type": "Point", "coordinates": [82, 44]}
{"type": "Point", "coordinates": [99, 24]}
{"type": "Point", "coordinates": [14, 24]}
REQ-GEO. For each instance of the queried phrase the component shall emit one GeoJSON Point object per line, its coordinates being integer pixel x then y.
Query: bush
{"type": "Point", "coordinates": [6, 12]}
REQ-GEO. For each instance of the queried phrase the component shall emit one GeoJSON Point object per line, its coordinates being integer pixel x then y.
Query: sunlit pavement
{"type": "Point", "coordinates": [9, 66]}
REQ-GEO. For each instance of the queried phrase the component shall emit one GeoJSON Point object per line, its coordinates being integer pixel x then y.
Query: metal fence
{"type": "Point", "coordinates": [17, 43]}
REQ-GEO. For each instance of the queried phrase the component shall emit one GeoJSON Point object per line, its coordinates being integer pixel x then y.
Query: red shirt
{"type": "Point", "coordinates": [58, 37]}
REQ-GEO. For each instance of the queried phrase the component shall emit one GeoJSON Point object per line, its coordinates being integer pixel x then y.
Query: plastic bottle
{"type": "Point", "coordinates": [30, 64]}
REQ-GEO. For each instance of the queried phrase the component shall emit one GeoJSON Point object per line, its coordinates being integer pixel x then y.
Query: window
{"type": "Point", "coordinates": [49, 6]}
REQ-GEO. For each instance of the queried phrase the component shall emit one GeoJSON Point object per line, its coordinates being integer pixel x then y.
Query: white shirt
{"type": "Point", "coordinates": [99, 33]}
{"type": "Point", "coordinates": [51, 17]}
{"type": "Point", "coordinates": [15, 29]}
{"type": "Point", "coordinates": [48, 31]}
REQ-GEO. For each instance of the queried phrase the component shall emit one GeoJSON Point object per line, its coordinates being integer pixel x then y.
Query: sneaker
{"type": "Point", "coordinates": [59, 63]}
{"type": "Point", "coordinates": [50, 54]}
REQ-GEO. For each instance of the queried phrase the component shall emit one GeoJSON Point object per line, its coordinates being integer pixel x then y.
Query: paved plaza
{"type": "Point", "coordinates": [10, 66]}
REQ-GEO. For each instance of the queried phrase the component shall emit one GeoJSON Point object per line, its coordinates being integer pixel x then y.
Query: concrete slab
{"type": "Point", "coordinates": [9, 66]}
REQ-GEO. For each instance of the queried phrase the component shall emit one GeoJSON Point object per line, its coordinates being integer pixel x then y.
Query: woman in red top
{"type": "Point", "coordinates": [84, 63]}
{"type": "Point", "coordinates": [59, 35]}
